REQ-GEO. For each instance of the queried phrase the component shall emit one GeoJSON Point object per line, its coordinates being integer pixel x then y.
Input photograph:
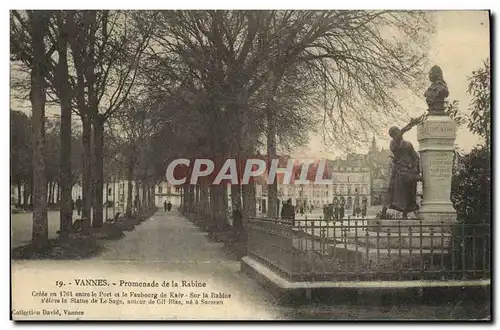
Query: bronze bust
{"type": "Point", "coordinates": [437, 91]}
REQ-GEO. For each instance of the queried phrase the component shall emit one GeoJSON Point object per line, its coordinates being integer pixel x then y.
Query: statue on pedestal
{"type": "Point", "coordinates": [437, 91]}
{"type": "Point", "coordinates": [405, 173]}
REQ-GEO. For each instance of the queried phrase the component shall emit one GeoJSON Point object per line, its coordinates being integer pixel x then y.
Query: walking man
{"type": "Point", "coordinates": [342, 208]}
{"type": "Point", "coordinates": [355, 208]}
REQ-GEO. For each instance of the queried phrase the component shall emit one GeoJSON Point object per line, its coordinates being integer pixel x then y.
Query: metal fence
{"type": "Point", "coordinates": [361, 249]}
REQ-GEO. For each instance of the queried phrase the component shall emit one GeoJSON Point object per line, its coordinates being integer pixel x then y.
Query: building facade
{"type": "Point", "coordinates": [165, 192]}
{"type": "Point", "coordinates": [379, 163]}
{"type": "Point", "coordinates": [348, 179]}
{"type": "Point", "coordinates": [351, 181]}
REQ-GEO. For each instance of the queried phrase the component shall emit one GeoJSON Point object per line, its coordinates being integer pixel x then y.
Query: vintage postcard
{"type": "Point", "coordinates": [250, 165]}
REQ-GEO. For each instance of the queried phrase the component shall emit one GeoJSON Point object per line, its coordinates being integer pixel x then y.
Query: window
{"type": "Point", "coordinates": [160, 189]}
{"type": "Point", "coordinates": [109, 191]}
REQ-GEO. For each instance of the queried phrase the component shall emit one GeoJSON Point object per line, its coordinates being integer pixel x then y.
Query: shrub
{"type": "Point", "coordinates": [470, 194]}
{"type": "Point", "coordinates": [471, 187]}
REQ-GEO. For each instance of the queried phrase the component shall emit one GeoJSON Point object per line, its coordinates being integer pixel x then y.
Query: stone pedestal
{"type": "Point", "coordinates": [436, 137]}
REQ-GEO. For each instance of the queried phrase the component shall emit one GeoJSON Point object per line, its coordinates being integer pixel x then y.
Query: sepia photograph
{"type": "Point", "coordinates": [239, 165]}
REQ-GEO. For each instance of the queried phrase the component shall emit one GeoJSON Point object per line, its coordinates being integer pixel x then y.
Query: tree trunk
{"type": "Point", "coordinates": [186, 191]}
{"type": "Point", "coordinates": [58, 195]}
{"type": "Point", "coordinates": [53, 193]}
{"type": "Point", "coordinates": [87, 171]}
{"type": "Point", "coordinates": [49, 190]}
{"type": "Point", "coordinates": [31, 193]}
{"type": "Point", "coordinates": [137, 199]}
{"type": "Point", "coordinates": [148, 197]}
{"type": "Point", "coordinates": [198, 199]}
{"type": "Point", "coordinates": [206, 200]}
{"type": "Point", "coordinates": [182, 198]}
{"type": "Point", "coordinates": [213, 204]}
{"type": "Point", "coordinates": [130, 177]}
{"type": "Point", "coordinates": [39, 25]}
{"type": "Point", "coordinates": [97, 220]}
{"type": "Point", "coordinates": [220, 207]}
{"type": "Point", "coordinates": [26, 194]}
{"type": "Point", "coordinates": [107, 200]}
{"type": "Point", "coordinates": [114, 196]}
{"type": "Point", "coordinates": [235, 195]}
{"type": "Point", "coordinates": [66, 183]}
{"type": "Point", "coordinates": [202, 200]}
{"type": "Point", "coordinates": [19, 194]}
{"type": "Point", "coordinates": [189, 197]}
{"type": "Point", "coordinates": [144, 203]}
{"type": "Point", "coordinates": [192, 196]}
{"type": "Point", "coordinates": [249, 200]}
{"type": "Point", "coordinates": [76, 32]}
{"type": "Point", "coordinates": [153, 199]}
{"type": "Point", "coordinates": [272, 189]}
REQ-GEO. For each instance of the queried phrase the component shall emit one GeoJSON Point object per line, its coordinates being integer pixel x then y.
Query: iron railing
{"type": "Point", "coordinates": [364, 249]}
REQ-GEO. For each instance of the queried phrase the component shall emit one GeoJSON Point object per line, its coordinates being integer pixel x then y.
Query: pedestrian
{"type": "Point", "coordinates": [356, 209]}
{"type": "Point", "coordinates": [336, 208]}
{"type": "Point", "coordinates": [79, 205]}
{"type": "Point", "coordinates": [342, 208]}
{"type": "Point", "coordinates": [363, 210]}
{"type": "Point", "coordinates": [169, 206]}
{"type": "Point", "coordinates": [165, 206]}
{"type": "Point", "coordinates": [288, 211]}
{"type": "Point", "coordinates": [237, 221]}
{"type": "Point", "coordinates": [330, 211]}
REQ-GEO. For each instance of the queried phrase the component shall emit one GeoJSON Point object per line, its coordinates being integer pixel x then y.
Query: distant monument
{"type": "Point", "coordinates": [436, 136]}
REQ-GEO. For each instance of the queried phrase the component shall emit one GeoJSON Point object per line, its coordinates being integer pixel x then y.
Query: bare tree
{"type": "Point", "coordinates": [131, 131]}
{"type": "Point", "coordinates": [29, 30]}
{"type": "Point", "coordinates": [106, 49]}
{"type": "Point", "coordinates": [62, 86]}
{"type": "Point", "coordinates": [234, 59]}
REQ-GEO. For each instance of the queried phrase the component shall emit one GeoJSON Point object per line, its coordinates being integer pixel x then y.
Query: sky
{"type": "Point", "coordinates": [459, 46]}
